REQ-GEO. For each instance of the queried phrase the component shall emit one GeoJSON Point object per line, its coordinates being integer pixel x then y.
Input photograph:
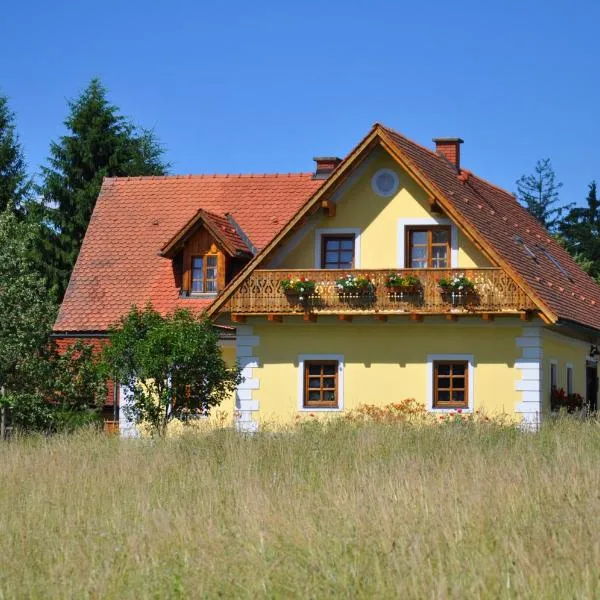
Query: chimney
{"type": "Point", "coordinates": [450, 149]}
{"type": "Point", "coordinates": [325, 165]}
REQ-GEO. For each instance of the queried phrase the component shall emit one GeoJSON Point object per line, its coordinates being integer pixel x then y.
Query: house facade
{"type": "Point", "coordinates": [394, 273]}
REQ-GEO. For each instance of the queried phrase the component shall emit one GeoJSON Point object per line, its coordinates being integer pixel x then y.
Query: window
{"type": "Point", "coordinates": [553, 376]}
{"type": "Point", "coordinates": [204, 274]}
{"type": "Point", "coordinates": [337, 252]}
{"type": "Point", "coordinates": [385, 183]}
{"type": "Point", "coordinates": [320, 384]}
{"type": "Point", "coordinates": [450, 384]}
{"type": "Point", "coordinates": [428, 247]}
{"type": "Point", "coordinates": [569, 379]}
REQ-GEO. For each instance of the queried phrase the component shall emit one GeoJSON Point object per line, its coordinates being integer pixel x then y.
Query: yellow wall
{"type": "Point", "coordinates": [384, 362]}
{"type": "Point", "coordinates": [229, 355]}
{"type": "Point", "coordinates": [563, 350]}
{"type": "Point", "coordinates": [360, 207]}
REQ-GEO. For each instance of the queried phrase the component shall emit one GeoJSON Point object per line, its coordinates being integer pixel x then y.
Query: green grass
{"type": "Point", "coordinates": [370, 511]}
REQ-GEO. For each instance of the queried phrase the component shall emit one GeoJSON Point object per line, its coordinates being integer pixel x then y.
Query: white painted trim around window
{"type": "Point", "coordinates": [319, 233]}
{"type": "Point", "coordinates": [426, 221]}
{"type": "Point", "coordinates": [569, 366]}
{"type": "Point", "coordinates": [304, 357]}
{"type": "Point", "coordinates": [431, 358]}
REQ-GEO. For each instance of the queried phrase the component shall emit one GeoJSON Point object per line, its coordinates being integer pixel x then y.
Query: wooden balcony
{"type": "Point", "coordinates": [495, 293]}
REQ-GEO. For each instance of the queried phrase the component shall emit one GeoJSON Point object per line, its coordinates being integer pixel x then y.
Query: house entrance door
{"type": "Point", "coordinates": [591, 385]}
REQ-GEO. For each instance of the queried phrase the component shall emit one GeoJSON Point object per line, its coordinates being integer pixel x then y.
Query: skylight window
{"type": "Point", "coordinates": [555, 262]}
{"type": "Point", "coordinates": [519, 240]}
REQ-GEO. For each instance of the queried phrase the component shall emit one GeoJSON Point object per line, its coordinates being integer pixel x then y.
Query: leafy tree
{"type": "Point", "coordinates": [15, 185]}
{"type": "Point", "coordinates": [539, 193]}
{"type": "Point", "coordinates": [172, 366]}
{"type": "Point", "coordinates": [100, 143]}
{"type": "Point", "coordinates": [580, 233]}
{"type": "Point", "coordinates": [26, 312]}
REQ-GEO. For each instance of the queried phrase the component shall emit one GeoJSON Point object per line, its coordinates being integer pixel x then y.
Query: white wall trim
{"type": "Point", "coordinates": [529, 380]}
{"type": "Point", "coordinates": [304, 357]}
{"type": "Point", "coordinates": [431, 358]}
{"type": "Point", "coordinates": [319, 233]}
{"type": "Point", "coordinates": [127, 428]}
{"type": "Point", "coordinates": [425, 221]}
{"type": "Point", "coordinates": [245, 403]}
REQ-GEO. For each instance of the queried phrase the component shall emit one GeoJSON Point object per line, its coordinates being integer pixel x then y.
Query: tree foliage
{"type": "Point", "coordinates": [580, 233]}
{"type": "Point", "coordinates": [15, 185]}
{"type": "Point", "coordinates": [539, 193]}
{"type": "Point", "coordinates": [172, 366]}
{"type": "Point", "coordinates": [100, 143]}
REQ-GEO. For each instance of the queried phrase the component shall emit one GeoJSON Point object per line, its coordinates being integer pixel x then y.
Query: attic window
{"type": "Point", "coordinates": [519, 240]}
{"type": "Point", "coordinates": [385, 183]}
{"type": "Point", "coordinates": [556, 263]}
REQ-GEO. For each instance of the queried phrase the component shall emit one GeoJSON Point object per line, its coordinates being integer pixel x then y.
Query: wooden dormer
{"type": "Point", "coordinates": [208, 251]}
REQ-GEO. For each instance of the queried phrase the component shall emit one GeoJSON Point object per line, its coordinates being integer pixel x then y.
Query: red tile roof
{"type": "Point", "coordinates": [500, 220]}
{"type": "Point", "coordinates": [119, 263]}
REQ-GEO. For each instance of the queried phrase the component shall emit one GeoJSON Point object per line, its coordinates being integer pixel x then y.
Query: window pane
{"type": "Point", "coordinates": [197, 262]}
{"type": "Point", "coordinates": [444, 369]}
{"type": "Point", "coordinates": [347, 244]}
{"type": "Point", "coordinates": [331, 257]}
{"type": "Point", "coordinates": [211, 261]}
{"type": "Point", "coordinates": [458, 369]}
{"type": "Point", "coordinates": [458, 383]}
{"type": "Point", "coordinates": [419, 237]}
{"type": "Point", "coordinates": [314, 382]}
{"type": "Point", "coordinates": [315, 396]}
{"type": "Point", "coordinates": [332, 244]}
{"type": "Point", "coordinates": [314, 369]}
{"type": "Point", "coordinates": [329, 369]}
{"type": "Point", "coordinates": [444, 382]}
{"type": "Point", "coordinates": [346, 257]}
{"type": "Point", "coordinates": [211, 286]}
{"type": "Point", "coordinates": [439, 235]}
{"type": "Point", "coordinates": [458, 396]}
{"type": "Point", "coordinates": [443, 396]}
{"type": "Point", "coordinates": [329, 383]}
{"type": "Point", "coordinates": [329, 396]}
{"type": "Point", "coordinates": [419, 252]}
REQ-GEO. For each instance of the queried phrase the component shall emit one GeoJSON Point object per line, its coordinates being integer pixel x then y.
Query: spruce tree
{"type": "Point", "coordinates": [580, 233]}
{"type": "Point", "coordinates": [539, 194]}
{"type": "Point", "coordinates": [14, 182]}
{"type": "Point", "coordinates": [100, 142]}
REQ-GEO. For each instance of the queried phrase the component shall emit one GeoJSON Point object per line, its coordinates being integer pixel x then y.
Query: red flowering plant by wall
{"type": "Point", "coordinates": [559, 399]}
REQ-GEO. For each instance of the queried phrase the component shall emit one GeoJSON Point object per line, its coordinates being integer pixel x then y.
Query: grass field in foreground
{"type": "Point", "coordinates": [370, 511]}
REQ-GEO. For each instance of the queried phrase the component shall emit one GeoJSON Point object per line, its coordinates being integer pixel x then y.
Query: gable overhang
{"type": "Point", "coordinates": [201, 218]}
{"type": "Point", "coordinates": [378, 137]}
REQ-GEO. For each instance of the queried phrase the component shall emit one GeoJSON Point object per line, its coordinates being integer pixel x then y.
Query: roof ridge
{"type": "Point", "coordinates": [429, 150]}
{"type": "Point", "coordinates": [210, 176]}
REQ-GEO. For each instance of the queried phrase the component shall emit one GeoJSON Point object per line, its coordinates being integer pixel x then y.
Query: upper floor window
{"type": "Point", "coordinates": [428, 247]}
{"type": "Point", "coordinates": [337, 252]}
{"type": "Point", "coordinates": [204, 274]}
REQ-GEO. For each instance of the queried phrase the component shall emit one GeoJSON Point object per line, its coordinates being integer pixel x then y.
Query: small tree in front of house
{"type": "Point", "coordinates": [172, 366]}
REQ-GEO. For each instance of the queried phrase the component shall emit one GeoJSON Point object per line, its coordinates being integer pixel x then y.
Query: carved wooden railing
{"type": "Point", "coordinates": [495, 292]}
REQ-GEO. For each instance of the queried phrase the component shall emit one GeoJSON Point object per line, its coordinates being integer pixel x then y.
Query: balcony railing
{"type": "Point", "coordinates": [495, 292]}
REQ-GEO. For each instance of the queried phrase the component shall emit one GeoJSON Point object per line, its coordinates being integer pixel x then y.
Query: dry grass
{"type": "Point", "coordinates": [369, 511]}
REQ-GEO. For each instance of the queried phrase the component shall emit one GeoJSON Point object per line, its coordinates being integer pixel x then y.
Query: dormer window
{"type": "Point", "coordinates": [204, 274]}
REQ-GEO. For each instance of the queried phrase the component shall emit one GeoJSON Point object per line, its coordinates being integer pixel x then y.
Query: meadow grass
{"type": "Point", "coordinates": [339, 510]}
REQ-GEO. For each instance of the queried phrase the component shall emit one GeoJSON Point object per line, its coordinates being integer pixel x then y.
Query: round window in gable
{"type": "Point", "coordinates": [385, 182]}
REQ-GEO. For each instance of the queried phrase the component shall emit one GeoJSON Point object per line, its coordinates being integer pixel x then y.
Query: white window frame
{"type": "Point", "coordinates": [553, 363]}
{"type": "Point", "coordinates": [403, 224]}
{"type": "Point", "coordinates": [571, 368]}
{"type": "Point", "coordinates": [431, 358]}
{"type": "Point", "coordinates": [319, 233]}
{"type": "Point", "coordinates": [302, 358]}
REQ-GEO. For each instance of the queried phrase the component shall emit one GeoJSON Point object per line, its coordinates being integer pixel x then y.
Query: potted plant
{"type": "Point", "coordinates": [298, 288]}
{"type": "Point", "coordinates": [458, 289]}
{"type": "Point", "coordinates": [396, 283]}
{"type": "Point", "coordinates": [352, 286]}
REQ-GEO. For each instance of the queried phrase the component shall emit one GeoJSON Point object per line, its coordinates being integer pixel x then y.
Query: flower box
{"type": "Point", "coordinates": [355, 286]}
{"type": "Point", "coordinates": [400, 285]}
{"type": "Point", "coordinates": [298, 289]}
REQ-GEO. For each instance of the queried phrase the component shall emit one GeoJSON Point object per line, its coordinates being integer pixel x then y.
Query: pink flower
{"type": "Point", "coordinates": [459, 411]}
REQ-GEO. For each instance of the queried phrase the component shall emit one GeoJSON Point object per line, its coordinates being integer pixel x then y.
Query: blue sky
{"type": "Point", "coordinates": [264, 86]}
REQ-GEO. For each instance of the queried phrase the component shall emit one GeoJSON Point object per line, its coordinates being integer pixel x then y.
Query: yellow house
{"type": "Point", "coordinates": [394, 273]}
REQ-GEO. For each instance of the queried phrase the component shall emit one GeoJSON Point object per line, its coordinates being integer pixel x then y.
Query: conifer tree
{"type": "Point", "coordinates": [539, 194]}
{"type": "Point", "coordinates": [14, 182]}
{"type": "Point", "coordinates": [100, 142]}
{"type": "Point", "coordinates": [580, 233]}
